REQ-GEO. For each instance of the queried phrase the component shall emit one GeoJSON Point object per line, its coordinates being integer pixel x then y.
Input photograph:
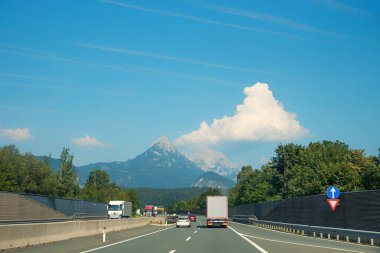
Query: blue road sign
{"type": "Point", "coordinates": [333, 192]}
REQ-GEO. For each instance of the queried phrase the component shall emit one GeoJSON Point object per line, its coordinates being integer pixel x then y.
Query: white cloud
{"type": "Point", "coordinates": [18, 134]}
{"type": "Point", "coordinates": [260, 118]}
{"type": "Point", "coordinates": [88, 141]}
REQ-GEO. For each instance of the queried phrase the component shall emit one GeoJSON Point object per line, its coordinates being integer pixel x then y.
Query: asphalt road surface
{"type": "Point", "coordinates": [236, 238]}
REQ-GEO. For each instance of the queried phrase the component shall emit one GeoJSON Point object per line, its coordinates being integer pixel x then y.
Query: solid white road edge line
{"type": "Point", "coordinates": [188, 238]}
{"type": "Point", "coordinates": [302, 244]}
{"type": "Point", "coordinates": [304, 236]}
{"type": "Point", "coordinates": [252, 243]}
{"type": "Point", "coordinates": [130, 239]}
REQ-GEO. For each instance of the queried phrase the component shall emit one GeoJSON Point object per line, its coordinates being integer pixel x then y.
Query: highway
{"type": "Point", "coordinates": [237, 238]}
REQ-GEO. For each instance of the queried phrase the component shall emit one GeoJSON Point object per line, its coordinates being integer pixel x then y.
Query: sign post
{"type": "Point", "coordinates": [333, 194]}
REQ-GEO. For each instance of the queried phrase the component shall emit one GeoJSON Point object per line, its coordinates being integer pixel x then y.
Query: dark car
{"type": "Point", "coordinates": [192, 217]}
{"type": "Point", "coordinates": [171, 219]}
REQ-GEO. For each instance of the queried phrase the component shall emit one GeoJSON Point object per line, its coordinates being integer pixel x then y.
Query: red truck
{"type": "Point", "coordinates": [149, 211]}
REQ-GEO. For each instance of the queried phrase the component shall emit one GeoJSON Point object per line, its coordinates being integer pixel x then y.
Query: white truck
{"type": "Point", "coordinates": [118, 209]}
{"type": "Point", "coordinates": [217, 211]}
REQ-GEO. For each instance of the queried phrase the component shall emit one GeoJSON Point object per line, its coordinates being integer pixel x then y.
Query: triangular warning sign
{"type": "Point", "coordinates": [333, 203]}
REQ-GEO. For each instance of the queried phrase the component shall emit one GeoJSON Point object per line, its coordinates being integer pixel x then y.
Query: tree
{"type": "Point", "coordinates": [371, 173]}
{"type": "Point", "coordinates": [134, 198]}
{"type": "Point", "coordinates": [11, 169]}
{"type": "Point", "coordinates": [99, 188]}
{"type": "Point", "coordinates": [67, 179]}
{"type": "Point", "coordinates": [24, 173]}
{"type": "Point", "coordinates": [182, 205]}
{"type": "Point", "coordinates": [98, 178]}
{"type": "Point", "coordinates": [287, 156]}
{"type": "Point", "coordinates": [201, 200]}
{"type": "Point", "coordinates": [254, 186]}
{"type": "Point", "coordinates": [296, 170]}
{"type": "Point", "coordinates": [196, 203]}
{"type": "Point", "coordinates": [39, 177]}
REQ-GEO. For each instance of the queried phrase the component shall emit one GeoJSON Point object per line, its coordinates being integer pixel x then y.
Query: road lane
{"type": "Point", "coordinates": [249, 241]}
{"type": "Point", "coordinates": [275, 241]}
{"type": "Point", "coordinates": [237, 238]}
{"type": "Point", "coordinates": [186, 240]}
{"type": "Point", "coordinates": [85, 243]}
{"type": "Point", "coordinates": [218, 240]}
{"type": "Point", "coordinates": [98, 249]}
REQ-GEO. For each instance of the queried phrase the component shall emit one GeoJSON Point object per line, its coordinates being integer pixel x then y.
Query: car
{"type": "Point", "coordinates": [183, 221]}
{"type": "Point", "coordinates": [192, 217]}
{"type": "Point", "coordinates": [171, 219]}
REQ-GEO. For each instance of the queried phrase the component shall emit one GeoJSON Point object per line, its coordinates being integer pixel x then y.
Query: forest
{"type": "Point", "coordinates": [297, 170]}
{"type": "Point", "coordinates": [25, 173]}
{"type": "Point", "coordinates": [293, 171]}
{"type": "Point", "coordinates": [166, 197]}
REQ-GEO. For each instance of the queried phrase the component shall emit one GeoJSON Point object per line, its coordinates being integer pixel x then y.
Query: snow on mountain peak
{"type": "Point", "coordinates": [211, 160]}
{"type": "Point", "coordinates": [164, 143]}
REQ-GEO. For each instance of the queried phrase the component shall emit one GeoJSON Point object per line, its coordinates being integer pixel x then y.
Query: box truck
{"type": "Point", "coordinates": [118, 209]}
{"type": "Point", "coordinates": [217, 211]}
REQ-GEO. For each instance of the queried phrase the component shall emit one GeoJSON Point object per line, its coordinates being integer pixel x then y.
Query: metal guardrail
{"type": "Point", "coordinates": [243, 218]}
{"type": "Point", "coordinates": [340, 234]}
{"type": "Point", "coordinates": [76, 216]}
{"type": "Point", "coordinates": [8, 222]}
{"type": "Point", "coordinates": [87, 216]}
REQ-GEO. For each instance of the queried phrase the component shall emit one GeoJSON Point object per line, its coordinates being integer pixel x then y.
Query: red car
{"type": "Point", "coordinates": [192, 217]}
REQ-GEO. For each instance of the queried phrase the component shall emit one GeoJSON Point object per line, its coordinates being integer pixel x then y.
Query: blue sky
{"type": "Point", "coordinates": [107, 78]}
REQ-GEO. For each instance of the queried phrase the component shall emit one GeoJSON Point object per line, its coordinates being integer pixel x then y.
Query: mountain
{"type": "Point", "coordinates": [161, 166]}
{"type": "Point", "coordinates": [211, 160]}
{"type": "Point", "coordinates": [116, 170]}
{"type": "Point", "coordinates": [211, 179]}
{"type": "Point", "coordinates": [54, 163]}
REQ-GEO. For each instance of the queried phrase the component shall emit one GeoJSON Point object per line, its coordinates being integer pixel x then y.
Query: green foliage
{"type": "Point", "coordinates": [371, 173]}
{"type": "Point", "coordinates": [254, 186]}
{"type": "Point", "coordinates": [67, 178]}
{"type": "Point", "coordinates": [25, 173]}
{"type": "Point", "coordinates": [11, 166]}
{"type": "Point", "coordinates": [38, 177]}
{"type": "Point", "coordinates": [134, 198]}
{"type": "Point", "coordinates": [296, 170]}
{"type": "Point", "coordinates": [99, 188]}
{"type": "Point", "coordinates": [202, 199]}
{"type": "Point", "coordinates": [196, 203]}
{"type": "Point", "coordinates": [166, 197]}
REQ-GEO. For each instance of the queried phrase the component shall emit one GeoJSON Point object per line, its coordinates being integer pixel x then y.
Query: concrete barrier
{"type": "Point", "coordinates": [22, 235]}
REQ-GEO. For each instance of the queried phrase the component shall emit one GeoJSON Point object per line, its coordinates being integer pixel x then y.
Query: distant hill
{"type": "Point", "coordinates": [213, 180]}
{"type": "Point", "coordinates": [54, 163]}
{"type": "Point", "coordinates": [166, 197]}
{"type": "Point", "coordinates": [161, 166]}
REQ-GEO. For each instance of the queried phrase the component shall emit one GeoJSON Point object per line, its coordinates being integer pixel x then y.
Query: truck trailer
{"type": "Point", "coordinates": [217, 211]}
{"type": "Point", "coordinates": [118, 209]}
